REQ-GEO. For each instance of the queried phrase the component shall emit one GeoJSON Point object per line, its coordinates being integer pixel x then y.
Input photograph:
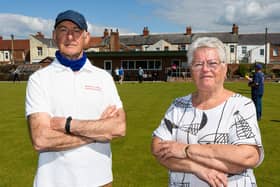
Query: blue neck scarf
{"type": "Point", "coordinates": [75, 65]}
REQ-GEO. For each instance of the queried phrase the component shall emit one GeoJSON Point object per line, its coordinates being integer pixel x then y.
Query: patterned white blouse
{"type": "Point", "coordinates": [232, 122]}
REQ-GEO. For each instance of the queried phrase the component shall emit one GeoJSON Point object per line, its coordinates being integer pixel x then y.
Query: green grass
{"type": "Point", "coordinates": [133, 164]}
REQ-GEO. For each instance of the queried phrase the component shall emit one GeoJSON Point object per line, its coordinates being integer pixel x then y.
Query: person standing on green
{"type": "Point", "coordinates": [73, 111]}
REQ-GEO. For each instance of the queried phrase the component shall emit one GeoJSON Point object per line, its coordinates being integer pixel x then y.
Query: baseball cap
{"type": "Point", "coordinates": [258, 66]}
{"type": "Point", "coordinates": [72, 16]}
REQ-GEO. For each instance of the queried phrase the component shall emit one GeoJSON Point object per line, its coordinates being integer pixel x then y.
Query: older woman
{"type": "Point", "coordinates": [210, 137]}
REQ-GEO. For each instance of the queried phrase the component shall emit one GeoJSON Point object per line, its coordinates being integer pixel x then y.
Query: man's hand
{"type": "Point", "coordinates": [110, 111]}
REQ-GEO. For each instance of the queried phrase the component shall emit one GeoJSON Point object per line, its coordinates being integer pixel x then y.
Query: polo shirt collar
{"type": "Point", "coordinates": [87, 66]}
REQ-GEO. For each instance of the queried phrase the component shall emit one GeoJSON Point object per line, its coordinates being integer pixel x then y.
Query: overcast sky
{"type": "Point", "coordinates": [22, 18]}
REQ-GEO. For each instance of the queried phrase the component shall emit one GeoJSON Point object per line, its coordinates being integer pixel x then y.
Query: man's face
{"type": "Point", "coordinates": [70, 39]}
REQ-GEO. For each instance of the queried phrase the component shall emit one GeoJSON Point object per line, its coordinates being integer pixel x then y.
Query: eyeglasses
{"type": "Point", "coordinates": [211, 64]}
{"type": "Point", "coordinates": [64, 31]}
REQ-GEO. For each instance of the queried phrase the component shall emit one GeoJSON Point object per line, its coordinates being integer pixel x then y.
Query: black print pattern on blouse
{"type": "Point", "coordinates": [238, 130]}
{"type": "Point", "coordinates": [244, 131]}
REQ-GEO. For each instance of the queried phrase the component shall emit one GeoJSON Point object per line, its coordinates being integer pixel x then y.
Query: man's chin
{"type": "Point", "coordinates": [72, 55]}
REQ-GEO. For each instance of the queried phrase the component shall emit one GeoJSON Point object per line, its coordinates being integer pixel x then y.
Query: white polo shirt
{"type": "Point", "coordinates": [59, 91]}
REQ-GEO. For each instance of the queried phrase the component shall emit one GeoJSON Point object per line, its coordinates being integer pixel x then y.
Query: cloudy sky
{"type": "Point", "coordinates": [22, 18]}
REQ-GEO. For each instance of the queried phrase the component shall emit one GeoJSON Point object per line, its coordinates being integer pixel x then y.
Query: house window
{"type": "Point", "coordinates": [166, 48]}
{"type": "Point", "coordinates": [108, 65]}
{"type": "Point", "coordinates": [261, 52]}
{"type": "Point", "coordinates": [231, 48]}
{"type": "Point", "coordinates": [157, 49]}
{"type": "Point", "coordinates": [40, 51]}
{"type": "Point", "coordinates": [141, 63]}
{"type": "Point", "coordinates": [6, 56]}
{"type": "Point", "coordinates": [275, 52]}
{"type": "Point", "coordinates": [150, 64]}
{"type": "Point", "coordinates": [183, 47]}
{"type": "Point", "coordinates": [244, 50]}
{"type": "Point", "coordinates": [157, 64]}
{"type": "Point", "coordinates": [175, 61]}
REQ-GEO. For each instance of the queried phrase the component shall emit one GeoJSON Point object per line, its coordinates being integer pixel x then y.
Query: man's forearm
{"type": "Point", "coordinates": [44, 138]}
{"type": "Point", "coordinates": [103, 129]}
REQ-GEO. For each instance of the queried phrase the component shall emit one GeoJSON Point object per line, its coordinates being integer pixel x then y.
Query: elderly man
{"type": "Point", "coordinates": [73, 110]}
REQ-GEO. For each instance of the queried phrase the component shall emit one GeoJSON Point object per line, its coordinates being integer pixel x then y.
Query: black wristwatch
{"type": "Point", "coordinates": [68, 125]}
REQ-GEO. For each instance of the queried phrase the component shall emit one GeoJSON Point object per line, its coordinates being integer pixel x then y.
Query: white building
{"type": "Point", "coordinates": [41, 48]}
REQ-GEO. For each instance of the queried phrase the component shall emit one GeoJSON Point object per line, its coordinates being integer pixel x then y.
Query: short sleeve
{"type": "Point", "coordinates": [112, 96]}
{"type": "Point", "coordinates": [245, 129]}
{"type": "Point", "coordinates": [164, 130]}
{"type": "Point", "coordinates": [36, 100]}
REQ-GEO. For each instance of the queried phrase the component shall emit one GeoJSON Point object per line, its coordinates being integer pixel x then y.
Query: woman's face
{"type": "Point", "coordinates": [208, 72]}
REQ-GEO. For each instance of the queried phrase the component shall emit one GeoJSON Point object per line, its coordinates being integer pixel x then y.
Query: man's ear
{"type": "Point", "coordinates": [86, 37]}
{"type": "Point", "coordinates": [54, 36]}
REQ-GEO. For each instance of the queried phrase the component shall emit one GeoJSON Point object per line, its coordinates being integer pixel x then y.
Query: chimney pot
{"type": "Point", "coordinates": [234, 29]}
{"type": "Point", "coordinates": [106, 33]}
{"type": "Point", "coordinates": [189, 30]}
{"type": "Point", "coordinates": [39, 35]}
{"type": "Point", "coordinates": [146, 31]}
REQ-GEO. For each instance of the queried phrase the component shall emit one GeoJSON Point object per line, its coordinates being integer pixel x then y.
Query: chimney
{"type": "Point", "coordinates": [105, 33]}
{"type": "Point", "coordinates": [115, 41]}
{"type": "Point", "coordinates": [189, 30]}
{"type": "Point", "coordinates": [146, 31]}
{"type": "Point", "coordinates": [39, 35]}
{"type": "Point", "coordinates": [234, 29]}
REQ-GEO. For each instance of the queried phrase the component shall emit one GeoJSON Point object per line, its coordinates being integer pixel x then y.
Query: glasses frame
{"type": "Point", "coordinates": [211, 64]}
{"type": "Point", "coordinates": [75, 32]}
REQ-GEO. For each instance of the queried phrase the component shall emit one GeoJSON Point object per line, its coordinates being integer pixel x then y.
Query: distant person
{"type": "Point", "coordinates": [117, 74]}
{"type": "Point", "coordinates": [209, 137]}
{"type": "Point", "coordinates": [140, 74]}
{"type": "Point", "coordinates": [257, 89]}
{"type": "Point", "coordinates": [16, 75]}
{"type": "Point", "coordinates": [168, 74]}
{"type": "Point", "coordinates": [174, 70]}
{"type": "Point", "coordinates": [121, 75]}
{"type": "Point", "coordinates": [73, 111]}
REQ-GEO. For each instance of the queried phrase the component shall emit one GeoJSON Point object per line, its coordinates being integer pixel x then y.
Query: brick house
{"type": "Point", "coordinates": [14, 51]}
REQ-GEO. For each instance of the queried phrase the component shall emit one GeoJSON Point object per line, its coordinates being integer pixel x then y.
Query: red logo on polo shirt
{"type": "Point", "coordinates": [93, 88]}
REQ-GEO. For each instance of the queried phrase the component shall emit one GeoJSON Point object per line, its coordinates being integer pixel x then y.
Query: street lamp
{"type": "Point", "coordinates": [12, 53]}
{"type": "Point", "coordinates": [265, 39]}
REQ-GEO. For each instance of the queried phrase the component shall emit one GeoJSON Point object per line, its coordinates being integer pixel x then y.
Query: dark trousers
{"type": "Point", "coordinates": [16, 77]}
{"type": "Point", "coordinates": [258, 103]}
{"type": "Point", "coordinates": [140, 78]}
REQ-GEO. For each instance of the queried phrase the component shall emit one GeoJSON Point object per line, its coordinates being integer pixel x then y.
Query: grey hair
{"type": "Point", "coordinates": [210, 42]}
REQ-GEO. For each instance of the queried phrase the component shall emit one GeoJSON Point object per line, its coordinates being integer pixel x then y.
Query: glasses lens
{"type": "Point", "coordinates": [211, 64]}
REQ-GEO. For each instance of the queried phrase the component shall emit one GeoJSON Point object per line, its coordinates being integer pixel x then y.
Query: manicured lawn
{"type": "Point", "coordinates": [133, 164]}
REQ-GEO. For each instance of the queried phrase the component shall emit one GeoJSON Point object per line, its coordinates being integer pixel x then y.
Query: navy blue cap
{"type": "Point", "coordinates": [258, 66]}
{"type": "Point", "coordinates": [72, 16]}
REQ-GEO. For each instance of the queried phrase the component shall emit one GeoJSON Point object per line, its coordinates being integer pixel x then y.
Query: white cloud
{"type": "Point", "coordinates": [22, 26]}
{"type": "Point", "coordinates": [247, 12]}
{"type": "Point", "coordinates": [217, 15]}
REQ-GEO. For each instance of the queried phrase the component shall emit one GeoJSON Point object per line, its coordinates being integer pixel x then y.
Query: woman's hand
{"type": "Point", "coordinates": [213, 177]}
{"type": "Point", "coordinates": [169, 149]}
